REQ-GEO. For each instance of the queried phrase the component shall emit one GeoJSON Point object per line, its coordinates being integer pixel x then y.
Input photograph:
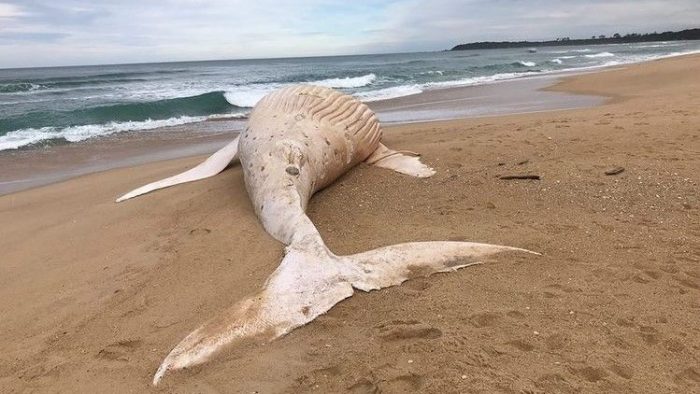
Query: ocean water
{"type": "Point", "coordinates": [42, 106]}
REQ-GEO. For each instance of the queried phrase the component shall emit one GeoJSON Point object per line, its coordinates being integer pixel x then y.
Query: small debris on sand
{"type": "Point", "coordinates": [614, 171]}
{"type": "Point", "coordinates": [509, 177]}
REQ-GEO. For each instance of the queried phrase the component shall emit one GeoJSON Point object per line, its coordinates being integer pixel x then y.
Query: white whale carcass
{"type": "Point", "coordinates": [298, 140]}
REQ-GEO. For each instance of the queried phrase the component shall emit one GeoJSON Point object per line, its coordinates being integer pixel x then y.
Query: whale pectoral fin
{"type": "Point", "coordinates": [392, 265]}
{"type": "Point", "coordinates": [400, 161]}
{"type": "Point", "coordinates": [213, 165]}
{"type": "Point", "coordinates": [304, 286]}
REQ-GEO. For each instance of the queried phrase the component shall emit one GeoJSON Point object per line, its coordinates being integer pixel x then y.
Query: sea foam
{"type": "Point", "coordinates": [584, 50]}
{"type": "Point", "coordinates": [249, 95]}
{"type": "Point", "coordinates": [407, 90]}
{"type": "Point", "coordinates": [389, 93]}
{"type": "Point", "coordinates": [601, 54]}
{"type": "Point", "coordinates": [481, 80]}
{"type": "Point", "coordinates": [19, 138]}
{"type": "Point", "coordinates": [348, 82]}
{"type": "Point", "coordinates": [526, 64]}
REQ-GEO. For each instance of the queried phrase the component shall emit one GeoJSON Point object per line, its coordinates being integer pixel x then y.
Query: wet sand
{"type": "Point", "coordinates": [517, 96]}
{"type": "Point", "coordinates": [94, 294]}
{"type": "Point", "coordinates": [28, 168]}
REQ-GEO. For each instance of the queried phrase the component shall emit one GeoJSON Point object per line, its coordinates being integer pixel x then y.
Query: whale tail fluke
{"type": "Point", "coordinates": [307, 283]}
{"type": "Point", "coordinates": [311, 280]}
{"type": "Point", "coordinates": [213, 165]}
{"type": "Point", "coordinates": [394, 264]}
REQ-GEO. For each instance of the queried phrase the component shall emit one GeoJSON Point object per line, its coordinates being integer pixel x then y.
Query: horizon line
{"type": "Point", "coordinates": [303, 57]}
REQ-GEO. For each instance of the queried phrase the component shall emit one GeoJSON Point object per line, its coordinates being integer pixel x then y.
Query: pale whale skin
{"type": "Point", "coordinates": [299, 140]}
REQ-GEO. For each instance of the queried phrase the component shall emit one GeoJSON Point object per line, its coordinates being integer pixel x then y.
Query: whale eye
{"type": "Point", "coordinates": [292, 170]}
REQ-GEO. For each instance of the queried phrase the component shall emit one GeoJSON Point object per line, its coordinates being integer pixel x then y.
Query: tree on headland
{"type": "Point", "coordinates": [690, 34]}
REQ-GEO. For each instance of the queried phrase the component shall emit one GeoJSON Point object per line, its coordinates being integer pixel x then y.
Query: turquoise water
{"type": "Point", "coordinates": [69, 104]}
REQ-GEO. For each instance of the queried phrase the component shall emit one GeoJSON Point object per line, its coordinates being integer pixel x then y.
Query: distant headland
{"type": "Point", "coordinates": [690, 34]}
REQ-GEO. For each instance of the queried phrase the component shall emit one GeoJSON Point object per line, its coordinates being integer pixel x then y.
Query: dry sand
{"type": "Point", "coordinates": [93, 294]}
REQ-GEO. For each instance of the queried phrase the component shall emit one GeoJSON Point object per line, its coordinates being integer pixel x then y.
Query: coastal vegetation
{"type": "Point", "coordinates": [689, 34]}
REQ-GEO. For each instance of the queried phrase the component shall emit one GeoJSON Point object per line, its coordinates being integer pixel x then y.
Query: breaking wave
{"type": "Point", "coordinates": [246, 96]}
{"type": "Point", "coordinates": [39, 106]}
{"type": "Point", "coordinates": [20, 138]}
{"type": "Point", "coordinates": [524, 63]}
{"type": "Point", "coordinates": [18, 87]}
{"type": "Point", "coordinates": [201, 105]}
{"type": "Point", "coordinates": [601, 54]}
{"type": "Point", "coordinates": [349, 82]}
{"type": "Point", "coordinates": [389, 93]}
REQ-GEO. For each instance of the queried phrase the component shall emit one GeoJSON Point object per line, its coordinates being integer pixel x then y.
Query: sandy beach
{"type": "Point", "coordinates": [94, 294]}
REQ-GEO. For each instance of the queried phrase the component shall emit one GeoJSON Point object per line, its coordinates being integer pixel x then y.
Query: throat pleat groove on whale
{"type": "Point", "coordinates": [334, 108]}
{"type": "Point", "coordinates": [347, 109]}
{"type": "Point", "coordinates": [331, 109]}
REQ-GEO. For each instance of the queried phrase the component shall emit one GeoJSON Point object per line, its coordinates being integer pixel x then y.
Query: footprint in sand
{"type": "Point", "coordinates": [521, 345]}
{"type": "Point", "coordinates": [555, 383]}
{"type": "Point", "coordinates": [617, 342]}
{"type": "Point", "coordinates": [318, 376]}
{"type": "Point", "coordinates": [649, 334]}
{"type": "Point", "coordinates": [401, 330]}
{"type": "Point", "coordinates": [485, 319]}
{"type": "Point", "coordinates": [557, 341]}
{"type": "Point", "coordinates": [674, 345]}
{"type": "Point", "coordinates": [200, 231]}
{"type": "Point", "coordinates": [687, 282]}
{"type": "Point", "coordinates": [119, 351]}
{"type": "Point", "coordinates": [623, 322]}
{"type": "Point", "coordinates": [640, 279]}
{"type": "Point", "coordinates": [653, 274]}
{"type": "Point", "coordinates": [590, 374]}
{"type": "Point", "coordinates": [417, 285]}
{"type": "Point", "coordinates": [364, 386]}
{"type": "Point", "coordinates": [515, 315]}
{"type": "Point", "coordinates": [403, 384]}
{"type": "Point", "coordinates": [621, 371]}
{"type": "Point", "coordinates": [393, 383]}
{"type": "Point", "coordinates": [688, 376]}
{"type": "Point", "coordinates": [333, 370]}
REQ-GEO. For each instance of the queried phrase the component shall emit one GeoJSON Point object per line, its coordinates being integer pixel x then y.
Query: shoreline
{"type": "Point", "coordinates": [94, 294]}
{"type": "Point", "coordinates": [24, 169]}
{"type": "Point", "coordinates": [28, 168]}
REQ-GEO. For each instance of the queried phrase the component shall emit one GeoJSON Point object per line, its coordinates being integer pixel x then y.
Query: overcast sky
{"type": "Point", "coordinates": [67, 32]}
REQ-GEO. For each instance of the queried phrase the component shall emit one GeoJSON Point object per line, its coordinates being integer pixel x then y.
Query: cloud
{"type": "Point", "coordinates": [445, 23]}
{"type": "Point", "coordinates": [60, 32]}
{"type": "Point", "coordinates": [10, 11]}
{"type": "Point", "coordinates": [14, 37]}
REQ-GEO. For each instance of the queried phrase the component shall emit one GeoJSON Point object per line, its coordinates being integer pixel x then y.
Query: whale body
{"type": "Point", "coordinates": [299, 140]}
